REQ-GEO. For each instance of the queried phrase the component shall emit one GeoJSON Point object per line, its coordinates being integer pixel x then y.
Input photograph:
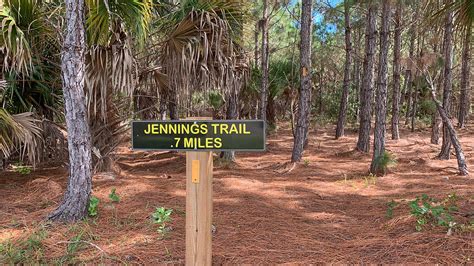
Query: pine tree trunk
{"type": "Point", "coordinates": [396, 72]}
{"type": "Point", "coordinates": [414, 106]}
{"type": "Point", "coordinates": [381, 93]}
{"type": "Point", "coordinates": [363, 143]}
{"type": "Point", "coordinates": [447, 88]}
{"type": "Point", "coordinates": [305, 79]}
{"type": "Point", "coordinates": [256, 34]}
{"type": "Point", "coordinates": [163, 103]}
{"type": "Point", "coordinates": [319, 96]}
{"type": "Point", "coordinates": [265, 63]}
{"type": "Point", "coordinates": [461, 159]}
{"type": "Point", "coordinates": [357, 74]}
{"type": "Point", "coordinates": [173, 104]}
{"type": "Point", "coordinates": [232, 113]}
{"type": "Point", "coordinates": [465, 80]}
{"type": "Point", "coordinates": [347, 74]}
{"type": "Point", "coordinates": [76, 199]}
{"type": "Point", "coordinates": [436, 118]}
{"type": "Point", "coordinates": [271, 113]}
{"type": "Point", "coordinates": [409, 74]}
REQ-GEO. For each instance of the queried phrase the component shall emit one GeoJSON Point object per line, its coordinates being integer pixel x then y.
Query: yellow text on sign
{"type": "Point", "coordinates": [195, 171]}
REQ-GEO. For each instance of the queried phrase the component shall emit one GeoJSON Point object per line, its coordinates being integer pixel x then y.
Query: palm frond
{"type": "Point", "coordinates": [135, 14]}
{"type": "Point", "coordinates": [19, 131]}
{"type": "Point", "coordinates": [462, 12]}
{"type": "Point", "coordinates": [13, 41]}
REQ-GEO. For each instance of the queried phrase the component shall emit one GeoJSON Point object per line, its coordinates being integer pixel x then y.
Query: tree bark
{"type": "Point", "coordinates": [256, 34]}
{"type": "Point", "coordinates": [271, 113]}
{"type": "Point", "coordinates": [347, 73]}
{"type": "Point", "coordinates": [173, 104]}
{"type": "Point", "coordinates": [414, 105]}
{"type": "Point", "coordinates": [448, 84]}
{"type": "Point", "coordinates": [305, 79]}
{"type": "Point", "coordinates": [232, 113]}
{"type": "Point", "coordinates": [357, 68]}
{"type": "Point", "coordinates": [409, 74]}
{"type": "Point", "coordinates": [381, 93]}
{"type": "Point", "coordinates": [436, 118]}
{"type": "Point", "coordinates": [76, 199]}
{"type": "Point", "coordinates": [396, 72]}
{"type": "Point", "coordinates": [363, 142]}
{"type": "Point", "coordinates": [264, 61]}
{"type": "Point", "coordinates": [464, 103]}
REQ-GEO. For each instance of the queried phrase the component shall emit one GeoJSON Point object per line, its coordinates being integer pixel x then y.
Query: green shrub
{"type": "Point", "coordinates": [93, 206]}
{"type": "Point", "coordinates": [113, 196]}
{"type": "Point", "coordinates": [22, 169]}
{"type": "Point", "coordinates": [161, 216]}
{"type": "Point", "coordinates": [383, 161]}
{"type": "Point", "coordinates": [428, 212]}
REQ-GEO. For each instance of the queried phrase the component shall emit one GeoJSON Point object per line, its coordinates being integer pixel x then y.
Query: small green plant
{"type": "Point", "coordinates": [27, 251]}
{"type": "Point", "coordinates": [113, 196]}
{"type": "Point", "coordinates": [383, 161]}
{"type": "Point", "coordinates": [93, 206]}
{"type": "Point", "coordinates": [161, 216]}
{"type": "Point", "coordinates": [427, 211]}
{"type": "Point", "coordinates": [215, 100]}
{"type": "Point", "coordinates": [390, 206]}
{"type": "Point", "coordinates": [22, 169]}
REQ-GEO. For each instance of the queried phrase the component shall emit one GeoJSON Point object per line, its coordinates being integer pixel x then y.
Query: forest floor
{"type": "Point", "coordinates": [327, 209]}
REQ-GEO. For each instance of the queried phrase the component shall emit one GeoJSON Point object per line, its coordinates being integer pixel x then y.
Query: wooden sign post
{"type": "Point", "coordinates": [199, 170]}
{"type": "Point", "coordinates": [199, 138]}
{"type": "Point", "coordinates": [199, 167]}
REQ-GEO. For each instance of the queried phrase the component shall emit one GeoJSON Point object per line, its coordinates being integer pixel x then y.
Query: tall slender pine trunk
{"type": "Point", "coordinates": [396, 72]}
{"type": "Point", "coordinates": [465, 80]}
{"type": "Point", "coordinates": [409, 73]}
{"type": "Point", "coordinates": [436, 118]}
{"type": "Point", "coordinates": [232, 113]}
{"type": "Point", "coordinates": [381, 93]}
{"type": "Point", "coordinates": [347, 73]}
{"type": "Point", "coordinates": [264, 62]}
{"type": "Point", "coordinates": [255, 49]}
{"type": "Point", "coordinates": [448, 84]}
{"type": "Point", "coordinates": [76, 199]}
{"type": "Point", "coordinates": [357, 69]}
{"type": "Point", "coordinates": [302, 124]}
{"type": "Point", "coordinates": [365, 113]}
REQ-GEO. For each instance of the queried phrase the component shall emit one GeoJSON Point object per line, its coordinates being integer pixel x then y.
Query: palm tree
{"type": "Point", "coordinates": [202, 47]}
{"type": "Point", "coordinates": [113, 29]}
{"type": "Point", "coordinates": [29, 81]}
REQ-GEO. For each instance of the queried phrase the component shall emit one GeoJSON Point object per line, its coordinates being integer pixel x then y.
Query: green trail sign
{"type": "Point", "coordinates": [199, 135]}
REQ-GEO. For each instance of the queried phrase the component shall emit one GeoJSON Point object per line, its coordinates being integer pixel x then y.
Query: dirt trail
{"type": "Point", "coordinates": [326, 210]}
